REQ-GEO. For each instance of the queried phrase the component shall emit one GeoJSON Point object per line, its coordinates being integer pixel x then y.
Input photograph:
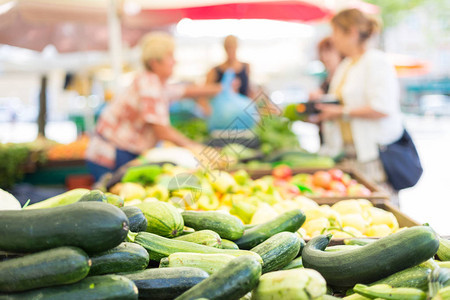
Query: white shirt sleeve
{"type": "Point", "coordinates": [382, 90]}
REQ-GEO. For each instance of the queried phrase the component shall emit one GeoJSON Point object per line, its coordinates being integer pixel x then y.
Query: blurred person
{"type": "Point", "coordinates": [366, 85]}
{"type": "Point", "coordinates": [241, 84]}
{"type": "Point", "coordinates": [139, 118]}
{"type": "Point", "coordinates": [330, 58]}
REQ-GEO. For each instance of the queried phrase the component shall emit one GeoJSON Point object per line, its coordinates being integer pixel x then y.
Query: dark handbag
{"type": "Point", "coordinates": [401, 162]}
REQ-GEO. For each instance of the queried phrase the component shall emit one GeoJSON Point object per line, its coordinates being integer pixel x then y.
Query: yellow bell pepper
{"type": "Point", "coordinates": [130, 191]}
{"type": "Point", "coordinates": [263, 214]}
{"type": "Point", "coordinates": [316, 225]}
{"type": "Point", "coordinates": [379, 230]}
{"type": "Point", "coordinates": [356, 221]}
{"type": "Point", "coordinates": [345, 207]}
{"type": "Point", "coordinates": [305, 203]}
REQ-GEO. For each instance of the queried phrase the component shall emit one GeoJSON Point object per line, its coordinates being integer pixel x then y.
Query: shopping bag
{"type": "Point", "coordinates": [230, 110]}
{"type": "Point", "coordinates": [401, 162]}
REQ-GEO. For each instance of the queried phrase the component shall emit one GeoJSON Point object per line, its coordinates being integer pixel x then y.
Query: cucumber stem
{"type": "Point", "coordinates": [131, 236]}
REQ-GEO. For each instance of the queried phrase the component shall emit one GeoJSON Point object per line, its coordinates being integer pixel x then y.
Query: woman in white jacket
{"type": "Point", "coordinates": [366, 85]}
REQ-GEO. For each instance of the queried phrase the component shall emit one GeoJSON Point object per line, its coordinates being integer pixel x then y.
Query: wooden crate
{"type": "Point", "coordinates": [403, 220]}
{"type": "Point", "coordinates": [377, 192]}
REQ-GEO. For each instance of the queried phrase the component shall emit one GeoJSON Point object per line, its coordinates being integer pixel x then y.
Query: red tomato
{"type": "Point", "coordinates": [322, 179]}
{"type": "Point", "coordinates": [336, 174]}
{"type": "Point", "coordinates": [338, 187]}
{"type": "Point", "coordinates": [282, 171]}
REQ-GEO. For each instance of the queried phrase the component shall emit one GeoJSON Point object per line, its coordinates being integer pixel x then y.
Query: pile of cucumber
{"type": "Point", "coordinates": [92, 249]}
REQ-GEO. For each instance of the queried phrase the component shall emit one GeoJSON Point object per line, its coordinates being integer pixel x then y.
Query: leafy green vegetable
{"type": "Point", "coordinates": [12, 159]}
{"type": "Point", "coordinates": [275, 134]}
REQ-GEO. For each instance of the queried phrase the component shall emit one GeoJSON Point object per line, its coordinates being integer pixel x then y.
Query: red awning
{"type": "Point", "coordinates": [82, 25]}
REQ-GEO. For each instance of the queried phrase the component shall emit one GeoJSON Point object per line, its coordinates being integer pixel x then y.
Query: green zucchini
{"type": "Point", "coordinates": [414, 277]}
{"type": "Point", "coordinates": [159, 247]}
{"type": "Point", "coordinates": [444, 249]}
{"type": "Point", "coordinates": [442, 294]}
{"type": "Point", "coordinates": [126, 257]}
{"type": "Point", "coordinates": [386, 292]}
{"type": "Point", "coordinates": [294, 264]}
{"type": "Point", "coordinates": [4, 255]}
{"type": "Point", "coordinates": [92, 226]}
{"type": "Point", "coordinates": [165, 283]}
{"type": "Point", "coordinates": [290, 284]}
{"type": "Point", "coordinates": [47, 268]}
{"type": "Point", "coordinates": [233, 281]}
{"type": "Point", "coordinates": [95, 196]}
{"type": "Point", "coordinates": [114, 199]}
{"type": "Point", "coordinates": [226, 244]}
{"type": "Point", "coordinates": [359, 241]}
{"type": "Point", "coordinates": [66, 198]}
{"type": "Point", "coordinates": [341, 248]}
{"type": "Point", "coordinates": [111, 287]}
{"type": "Point", "coordinates": [202, 237]}
{"type": "Point", "coordinates": [289, 221]}
{"type": "Point", "coordinates": [227, 226]}
{"type": "Point", "coordinates": [209, 263]}
{"type": "Point", "coordinates": [372, 262]}
{"type": "Point", "coordinates": [136, 218]}
{"type": "Point", "coordinates": [443, 264]}
{"type": "Point", "coordinates": [163, 218]}
{"type": "Point", "coordinates": [278, 250]}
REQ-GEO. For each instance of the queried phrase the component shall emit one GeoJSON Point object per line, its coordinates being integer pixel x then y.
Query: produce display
{"type": "Point", "coordinates": [84, 249]}
{"type": "Point", "coordinates": [72, 151]}
{"type": "Point", "coordinates": [254, 201]}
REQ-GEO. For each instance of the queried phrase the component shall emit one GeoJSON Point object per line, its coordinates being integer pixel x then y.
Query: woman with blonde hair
{"type": "Point", "coordinates": [139, 118]}
{"type": "Point", "coordinates": [367, 87]}
{"type": "Point", "coordinates": [241, 70]}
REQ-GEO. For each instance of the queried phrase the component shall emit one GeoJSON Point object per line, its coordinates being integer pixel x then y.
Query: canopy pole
{"type": "Point", "coordinates": [115, 43]}
{"type": "Point", "coordinates": [42, 116]}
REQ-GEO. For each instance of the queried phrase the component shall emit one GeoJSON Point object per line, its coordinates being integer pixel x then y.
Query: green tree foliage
{"type": "Point", "coordinates": [392, 11]}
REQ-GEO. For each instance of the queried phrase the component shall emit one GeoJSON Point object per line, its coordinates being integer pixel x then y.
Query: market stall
{"type": "Point", "coordinates": [238, 207]}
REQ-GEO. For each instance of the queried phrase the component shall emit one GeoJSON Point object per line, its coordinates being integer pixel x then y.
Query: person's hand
{"type": "Point", "coordinates": [329, 111]}
{"type": "Point", "coordinates": [315, 95]}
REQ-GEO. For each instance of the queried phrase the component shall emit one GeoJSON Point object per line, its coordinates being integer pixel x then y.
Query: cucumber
{"type": "Point", "coordinates": [414, 277]}
{"type": "Point", "coordinates": [66, 198]}
{"type": "Point", "coordinates": [47, 268]}
{"type": "Point", "coordinates": [372, 262]}
{"type": "Point", "coordinates": [444, 249]}
{"type": "Point", "coordinates": [289, 221]}
{"type": "Point", "coordinates": [136, 218]}
{"type": "Point", "coordinates": [278, 251]}
{"type": "Point", "coordinates": [159, 247]}
{"type": "Point", "coordinates": [163, 218]}
{"type": "Point", "coordinates": [209, 263]}
{"type": "Point", "coordinates": [165, 283]}
{"type": "Point", "coordinates": [111, 287]}
{"type": "Point", "coordinates": [126, 257]}
{"type": "Point", "coordinates": [91, 226]}
{"type": "Point", "coordinates": [226, 244]}
{"type": "Point", "coordinates": [227, 226]}
{"type": "Point", "coordinates": [202, 237]}
{"type": "Point", "coordinates": [386, 292]}
{"type": "Point", "coordinates": [95, 196]}
{"type": "Point", "coordinates": [233, 281]}
{"type": "Point", "coordinates": [294, 264]}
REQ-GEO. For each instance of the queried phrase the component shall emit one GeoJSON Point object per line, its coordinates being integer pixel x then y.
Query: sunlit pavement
{"type": "Point", "coordinates": [427, 202]}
